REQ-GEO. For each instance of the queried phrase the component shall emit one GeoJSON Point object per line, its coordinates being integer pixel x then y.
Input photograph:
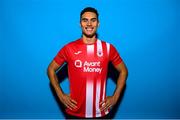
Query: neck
{"type": "Point", "coordinates": [89, 40]}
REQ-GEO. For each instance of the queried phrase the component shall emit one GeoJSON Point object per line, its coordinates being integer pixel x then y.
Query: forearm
{"type": "Point", "coordinates": [121, 82]}
{"type": "Point", "coordinates": [65, 99]}
{"type": "Point", "coordinates": [54, 82]}
{"type": "Point", "coordinates": [112, 100]}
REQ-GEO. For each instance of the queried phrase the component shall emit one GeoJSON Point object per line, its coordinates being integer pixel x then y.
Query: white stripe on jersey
{"type": "Point", "coordinates": [108, 48]}
{"type": "Point", "coordinates": [99, 48]}
{"type": "Point", "coordinates": [90, 49]}
{"type": "Point", "coordinates": [89, 99]}
{"type": "Point", "coordinates": [89, 88]}
{"type": "Point", "coordinates": [98, 88]}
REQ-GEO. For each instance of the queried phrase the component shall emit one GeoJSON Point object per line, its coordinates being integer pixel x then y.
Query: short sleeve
{"type": "Point", "coordinates": [61, 56]}
{"type": "Point", "coordinates": [114, 56]}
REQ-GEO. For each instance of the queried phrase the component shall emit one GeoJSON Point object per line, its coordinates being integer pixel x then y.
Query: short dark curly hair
{"type": "Point", "coordinates": [89, 9]}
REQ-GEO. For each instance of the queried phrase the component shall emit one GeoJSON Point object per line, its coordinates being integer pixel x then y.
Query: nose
{"type": "Point", "coordinates": [89, 23]}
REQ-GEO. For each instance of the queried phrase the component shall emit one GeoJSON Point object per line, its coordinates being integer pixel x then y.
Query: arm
{"type": "Point", "coordinates": [65, 99]}
{"type": "Point", "coordinates": [112, 100]}
{"type": "Point", "coordinates": [121, 82]}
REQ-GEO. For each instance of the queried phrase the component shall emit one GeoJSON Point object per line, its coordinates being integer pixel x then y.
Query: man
{"type": "Point", "coordinates": [87, 59]}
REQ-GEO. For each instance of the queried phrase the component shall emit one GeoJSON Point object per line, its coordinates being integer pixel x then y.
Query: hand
{"type": "Point", "coordinates": [107, 103]}
{"type": "Point", "coordinates": [68, 101]}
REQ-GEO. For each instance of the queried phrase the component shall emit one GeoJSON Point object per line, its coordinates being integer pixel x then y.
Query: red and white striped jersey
{"type": "Point", "coordinates": [87, 72]}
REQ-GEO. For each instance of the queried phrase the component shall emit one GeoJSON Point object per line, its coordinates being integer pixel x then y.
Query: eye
{"type": "Point", "coordinates": [84, 20]}
{"type": "Point", "coordinates": [93, 20]}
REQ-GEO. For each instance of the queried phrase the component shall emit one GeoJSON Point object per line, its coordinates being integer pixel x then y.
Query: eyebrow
{"type": "Point", "coordinates": [90, 19]}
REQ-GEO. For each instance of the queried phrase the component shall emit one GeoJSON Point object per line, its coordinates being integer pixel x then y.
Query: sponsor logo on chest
{"type": "Point", "coordinates": [89, 66]}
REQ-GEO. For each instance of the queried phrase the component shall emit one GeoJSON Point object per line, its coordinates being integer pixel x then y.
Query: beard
{"type": "Point", "coordinates": [90, 35]}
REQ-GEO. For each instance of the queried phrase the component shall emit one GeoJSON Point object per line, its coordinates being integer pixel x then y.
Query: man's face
{"type": "Point", "coordinates": [89, 24]}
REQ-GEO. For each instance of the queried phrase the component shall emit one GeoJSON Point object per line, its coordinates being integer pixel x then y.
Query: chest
{"type": "Point", "coordinates": [87, 55]}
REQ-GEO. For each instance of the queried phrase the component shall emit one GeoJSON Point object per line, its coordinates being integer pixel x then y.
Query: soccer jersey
{"type": "Point", "coordinates": [87, 72]}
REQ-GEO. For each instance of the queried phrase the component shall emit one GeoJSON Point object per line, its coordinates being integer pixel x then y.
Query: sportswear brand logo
{"type": "Point", "coordinates": [78, 52]}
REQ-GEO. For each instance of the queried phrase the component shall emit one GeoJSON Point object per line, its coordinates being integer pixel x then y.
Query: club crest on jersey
{"type": "Point", "coordinates": [99, 48]}
{"type": "Point", "coordinates": [99, 53]}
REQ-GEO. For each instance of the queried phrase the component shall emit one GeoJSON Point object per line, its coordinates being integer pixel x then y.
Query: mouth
{"type": "Point", "coordinates": [89, 29]}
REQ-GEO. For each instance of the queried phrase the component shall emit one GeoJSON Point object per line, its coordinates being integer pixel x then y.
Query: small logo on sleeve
{"type": "Point", "coordinates": [78, 52]}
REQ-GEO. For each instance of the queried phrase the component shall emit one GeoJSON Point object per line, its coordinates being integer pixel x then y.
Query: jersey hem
{"type": "Point", "coordinates": [82, 116]}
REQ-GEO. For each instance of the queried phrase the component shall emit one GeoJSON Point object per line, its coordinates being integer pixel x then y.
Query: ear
{"type": "Point", "coordinates": [80, 24]}
{"type": "Point", "coordinates": [98, 24]}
